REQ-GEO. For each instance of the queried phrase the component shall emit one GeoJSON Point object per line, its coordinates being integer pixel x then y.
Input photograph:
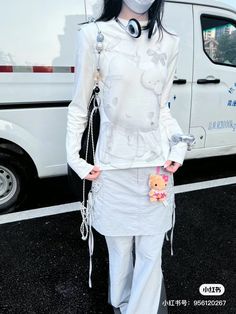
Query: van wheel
{"type": "Point", "coordinates": [13, 179]}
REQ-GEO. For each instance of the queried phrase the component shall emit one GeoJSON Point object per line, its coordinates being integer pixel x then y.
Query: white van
{"type": "Point", "coordinates": [37, 44]}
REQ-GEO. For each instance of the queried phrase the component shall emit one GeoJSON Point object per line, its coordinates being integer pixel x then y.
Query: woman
{"type": "Point", "coordinates": [132, 179]}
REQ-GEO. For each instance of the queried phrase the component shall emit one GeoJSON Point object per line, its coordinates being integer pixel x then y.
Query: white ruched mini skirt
{"type": "Point", "coordinates": [121, 206]}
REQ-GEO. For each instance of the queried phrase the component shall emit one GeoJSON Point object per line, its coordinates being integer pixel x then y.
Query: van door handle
{"type": "Point", "coordinates": [180, 81]}
{"type": "Point", "coordinates": [205, 81]}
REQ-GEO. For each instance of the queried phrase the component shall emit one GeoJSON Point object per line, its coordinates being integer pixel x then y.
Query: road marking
{"type": "Point", "coordinates": [204, 185]}
{"type": "Point", "coordinates": [39, 212]}
{"type": "Point", "coordinates": [71, 207]}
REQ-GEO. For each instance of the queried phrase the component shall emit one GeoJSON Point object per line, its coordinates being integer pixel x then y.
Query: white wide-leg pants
{"type": "Point", "coordinates": [135, 285]}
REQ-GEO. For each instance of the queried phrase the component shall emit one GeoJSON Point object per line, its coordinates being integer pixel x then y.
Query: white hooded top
{"type": "Point", "coordinates": [136, 80]}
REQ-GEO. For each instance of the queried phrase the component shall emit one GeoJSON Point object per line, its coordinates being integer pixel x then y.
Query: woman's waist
{"type": "Point", "coordinates": [108, 156]}
{"type": "Point", "coordinates": [138, 165]}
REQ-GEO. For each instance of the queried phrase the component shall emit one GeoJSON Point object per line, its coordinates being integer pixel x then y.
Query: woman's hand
{"type": "Point", "coordinates": [93, 174]}
{"type": "Point", "coordinates": [172, 166]}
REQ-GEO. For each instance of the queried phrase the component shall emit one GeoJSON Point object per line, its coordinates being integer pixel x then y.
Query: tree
{"type": "Point", "coordinates": [226, 52]}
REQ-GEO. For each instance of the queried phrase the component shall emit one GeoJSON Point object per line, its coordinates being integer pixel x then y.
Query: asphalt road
{"type": "Point", "coordinates": [44, 262]}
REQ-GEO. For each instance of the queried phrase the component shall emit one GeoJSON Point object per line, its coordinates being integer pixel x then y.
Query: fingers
{"type": "Point", "coordinates": [167, 163]}
{"type": "Point", "coordinates": [96, 168]}
{"type": "Point", "coordinates": [172, 166]}
{"type": "Point", "coordinates": [94, 173]}
{"type": "Point", "coordinates": [92, 177]}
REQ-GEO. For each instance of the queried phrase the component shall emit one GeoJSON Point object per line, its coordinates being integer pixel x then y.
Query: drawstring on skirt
{"type": "Point", "coordinates": [172, 229]}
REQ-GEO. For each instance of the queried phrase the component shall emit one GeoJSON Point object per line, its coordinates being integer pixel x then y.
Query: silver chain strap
{"type": "Point", "coordinates": [85, 210]}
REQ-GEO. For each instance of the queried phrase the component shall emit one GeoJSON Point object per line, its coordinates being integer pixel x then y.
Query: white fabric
{"type": "Point", "coordinates": [121, 204]}
{"type": "Point", "coordinates": [137, 78]}
{"type": "Point", "coordinates": [135, 289]}
{"type": "Point", "coordinates": [139, 6]}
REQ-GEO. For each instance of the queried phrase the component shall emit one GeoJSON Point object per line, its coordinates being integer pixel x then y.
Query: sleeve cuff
{"type": "Point", "coordinates": [178, 153]}
{"type": "Point", "coordinates": [81, 167]}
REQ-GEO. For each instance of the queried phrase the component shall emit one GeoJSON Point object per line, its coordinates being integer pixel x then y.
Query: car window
{"type": "Point", "coordinates": [219, 39]}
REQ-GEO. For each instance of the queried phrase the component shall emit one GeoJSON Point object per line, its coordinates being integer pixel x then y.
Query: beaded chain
{"type": "Point", "coordinates": [85, 210]}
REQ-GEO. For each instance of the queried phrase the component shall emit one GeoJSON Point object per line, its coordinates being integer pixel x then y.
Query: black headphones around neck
{"type": "Point", "coordinates": [133, 28]}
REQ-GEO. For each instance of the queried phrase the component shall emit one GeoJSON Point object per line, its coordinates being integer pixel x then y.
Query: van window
{"type": "Point", "coordinates": [219, 39]}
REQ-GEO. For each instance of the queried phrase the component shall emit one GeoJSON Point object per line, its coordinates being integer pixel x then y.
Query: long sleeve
{"type": "Point", "coordinates": [170, 124]}
{"type": "Point", "coordinates": [78, 107]}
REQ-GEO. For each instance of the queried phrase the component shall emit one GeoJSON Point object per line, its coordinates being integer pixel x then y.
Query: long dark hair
{"type": "Point", "coordinates": [112, 8]}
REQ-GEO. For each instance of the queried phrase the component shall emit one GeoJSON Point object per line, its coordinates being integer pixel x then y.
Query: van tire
{"type": "Point", "coordinates": [13, 182]}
